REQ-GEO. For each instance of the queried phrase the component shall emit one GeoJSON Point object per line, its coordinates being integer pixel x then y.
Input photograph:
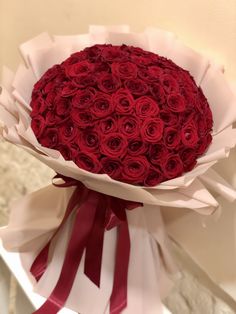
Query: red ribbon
{"type": "Point", "coordinates": [95, 213]}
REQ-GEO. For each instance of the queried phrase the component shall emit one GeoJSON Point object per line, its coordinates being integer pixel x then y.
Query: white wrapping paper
{"type": "Point", "coordinates": [37, 215]}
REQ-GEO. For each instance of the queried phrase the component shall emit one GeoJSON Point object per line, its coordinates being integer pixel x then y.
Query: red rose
{"type": "Point", "coordinates": [152, 129]}
{"type": "Point", "coordinates": [171, 137]}
{"type": "Point", "coordinates": [88, 141]}
{"type": "Point", "coordinates": [113, 53]}
{"type": "Point", "coordinates": [137, 147]}
{"type": "Point", "coordinates": [108, 83]}
{"type": "Point", "coordinates": [202, 127]}
{"type": "Point", "coordinates": [158, 93]}
{"type": "Point", "coordinates": [50, 100]}
{"type": "Point", "coordinates": [102, 67]}
{"type": "Point", "coordinates": [114, 145]}
{"type": "Point", "coordinates": [123, 101]}
{"type": "Point", "coordinates": [88, 162]}
{"type": "Point", "coordinates": [201, 102]}
{"type": "Point", "coordinates": [69, 151]}
{"type": "Point", "coordinates": [176, 102]}
{"type": "Point", "coordinates": [128, 126]}
{"type": "Point", "coordinates": [38, 125]}
{"type": "Point", "coordinates": [190, 98]}
{"type": "Point", "coordinates": [137, 87]}
{"type": "Point", "coordinates": [135, 170]}
{"type": "Point", "coordinates": [102, 105]}
{"type": "Point", "coordinates": [169, 118]}
{"type": "Point", "coordinates": [62, 106]}
{"type": "Point", "coordinates": [112, 167]}
{"type": "Point", "coordinates": [79, 68]}
{"type": "Point", "coordinates": [136, 51]}
{"type": "Point", "coordinates": [208, 118]}
{"type": "Point", "coordinates": [150, 74]}
{"type": "Point", "coordinates": [188, 157]}
{"type": "Point", "coordinates": [93, 53]}
{"type": "Point", "coordinates": [157, 153]}
{"type": "Point", "coordinates": [154, 177]}
{"type": "Point", "coordinates": [68, 89]}
{"type": "Point", "coordinates": [75, 58]}
{"type": "Point", "coordinates": [38, 105]}
{"type": "Point", "coordinates": [86, 80]}
{"type": "Point", "coordinates": [155, 72]}
{"type": "Point", "coordinates": [140, 60]}
{"type": "Point", "coordinates": [49, 87]}
{"type": "Point", "coordinates": [173, 166]}
{"type": "Point", "coordinates": [67, 132]}
{"type": "Point", "coordinates": [189, 135]}
{"type": "Point", "coordinates": [188, 81]}
{"type": "Point", "coordinates": [83, 118]}
{"type": "Point", "coordinates": [49, 138]}
{"type": "Point", "coordinates": [143, 74]}
{"type": "Point", "coordinates": [203, 144]}
{"type": "Point", "coordinates": [52, 119]}
{"type": "Point", "coordinates": [169, 83]}
{"type": "Point", "coordinates": [146, 107]}
{"type": "Point", "coordinates": [83, 98]}
{"type": "Point", "coordinates": [124, 70]}
{"type": "Point", "coordinates": [107, 125]}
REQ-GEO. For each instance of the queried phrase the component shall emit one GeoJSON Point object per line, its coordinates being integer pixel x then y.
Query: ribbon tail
{"type": "Point", "coordinates": [81, 229]}
{"type": "Point", "coordinates": [40, 263]}
{"type": "Point", "coordinates": [94, 249]}
{"type": "Point", "coordinates": [118, 299]}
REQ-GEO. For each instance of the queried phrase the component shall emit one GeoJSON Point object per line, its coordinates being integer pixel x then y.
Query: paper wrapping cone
{"type": "Point", "coordinates": [37, 215]}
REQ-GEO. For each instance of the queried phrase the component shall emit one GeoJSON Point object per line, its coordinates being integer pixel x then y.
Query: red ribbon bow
{"type": "Point", "coordinates": [95, 213]}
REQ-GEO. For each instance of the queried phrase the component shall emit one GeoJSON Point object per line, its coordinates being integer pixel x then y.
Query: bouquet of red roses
{"type": "Point", "coordinates": [123, 111]}
{"type": "Point", "coordinates": [127, 126]}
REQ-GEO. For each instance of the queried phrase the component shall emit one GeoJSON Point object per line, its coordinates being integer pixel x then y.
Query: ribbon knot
{"type": "Point", "coordinates": [95, 213]}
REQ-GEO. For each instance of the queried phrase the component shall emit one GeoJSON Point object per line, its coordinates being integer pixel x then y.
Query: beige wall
{"type": "Point", "coordinates": [207, 25]}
